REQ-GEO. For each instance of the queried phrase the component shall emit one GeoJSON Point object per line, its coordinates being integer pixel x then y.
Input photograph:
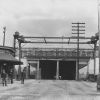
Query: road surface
{"type": "Point", "coordinates": [50, 90]}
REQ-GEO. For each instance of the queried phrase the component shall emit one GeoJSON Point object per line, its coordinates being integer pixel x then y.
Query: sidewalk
{"type": "Point", "coordinates": [16, 84]}
{"type": "Point", "coordinates": [10, 86]}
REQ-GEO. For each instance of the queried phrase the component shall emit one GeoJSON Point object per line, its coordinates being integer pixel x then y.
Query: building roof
{"type": "Point", "coordinates": [4, 57]}
{"type": "Point", "coordinates": [7, 48]}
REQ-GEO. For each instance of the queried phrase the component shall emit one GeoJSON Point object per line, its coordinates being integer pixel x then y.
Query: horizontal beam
{"type": "Point", "coordinates": [57, 37]}
{"type": "Point", "coordinates": [56, 42]}
{"type": "Point", "coordinates": [79, 33]}
{"type": "Point", "coordinates": [78, 26]}
{"type": "Point", "coordinates": [57, 48]}
{"type": "Point", "coordinates": [78, 23]}
{"type": "Point", "coordinates": [77, 30]}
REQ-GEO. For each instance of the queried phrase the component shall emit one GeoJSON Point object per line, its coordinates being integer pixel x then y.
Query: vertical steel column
{"type": "Point", "coordinates": [19, 69]}
{"type": "Point", "coordinates": [94, 58]}
{"type": "Point", "coordinates": [38, 70]}
{"type": "Point", "coordinates": [76, 71]}
{"type": "Point", "coordinates": [87, 68]}
{"type": "Point", "coordinates": [57, 71]}
{"type": "Point", "coordinates": [39, 73]}
{"type": "Point", "coordinates": [14, 45]}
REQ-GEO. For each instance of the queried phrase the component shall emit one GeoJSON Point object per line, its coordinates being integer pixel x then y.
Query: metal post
{"type": "Point", "coordinates": [4, 35]}
{"type": "Point", "coordinates": [98, 77]}
{"type": "Point", "coordinates": [14, 45]}
{"type": "Point", "coordinates": [37, 70]}
{"type": "Point", "coordinates": [19, 69]}
{"type": "Point", "coordinates": [87, 68]}
{"type": "Point", "coordinates": [99, 35]}
{"type": "Point", "coordinates": [57, 71]}
{"type": "Point", "coordinates": [39, 73]}
{"type": "Point", "coordinates": [94, 58]}
{"type": "Point", "coordinates": [87, 75]}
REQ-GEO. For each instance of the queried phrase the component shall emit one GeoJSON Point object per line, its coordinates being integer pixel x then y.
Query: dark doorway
{"type": "Point", "coordinates": [67, 70]}
{"type": "Point", "coordinates": [48, 69]}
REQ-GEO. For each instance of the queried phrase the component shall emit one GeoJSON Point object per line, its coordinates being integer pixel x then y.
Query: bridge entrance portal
{"type": "Point", "coordinates": [48, 69]}
{"type": "Point", "coordinates": [65, 70]}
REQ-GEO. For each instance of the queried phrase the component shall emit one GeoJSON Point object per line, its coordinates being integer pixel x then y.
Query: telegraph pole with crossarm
{"type": "Point", "coordinates": [78, 28]}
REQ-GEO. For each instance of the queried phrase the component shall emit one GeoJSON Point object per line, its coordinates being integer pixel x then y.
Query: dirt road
{"type": "Point", "coordinates": [50, 90]}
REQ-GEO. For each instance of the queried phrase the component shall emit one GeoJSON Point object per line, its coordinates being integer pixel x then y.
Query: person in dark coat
{"type": "Point", "coordinates": [4, 76]}
{"type": "Point", "coordinates": [22, 76]}
{"type": "Point", "coordinates": [11, 76]}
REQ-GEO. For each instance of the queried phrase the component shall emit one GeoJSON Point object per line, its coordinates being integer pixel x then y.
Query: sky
{"type": "Point", "coordinates": [46, 17]}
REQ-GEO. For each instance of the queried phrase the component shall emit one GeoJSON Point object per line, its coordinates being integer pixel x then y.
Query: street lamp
{"type": "Point", "coordinates": [4, 35]}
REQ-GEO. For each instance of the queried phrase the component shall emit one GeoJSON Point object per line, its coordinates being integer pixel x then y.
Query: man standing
{"type": "Point", "coordinates": [22, 76]}
{"type": "Point", "coordinates": [4, 76]}
{"type": "Point", "coordinates": [11, 76]}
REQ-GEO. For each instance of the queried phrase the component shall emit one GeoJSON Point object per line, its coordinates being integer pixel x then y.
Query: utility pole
{"type": "Point", "coordinates": [99, 32]}
{"type": "Point", "coordinates": [4, 31]}
{"type": "Point", "coordinates": [98, 77]}
{"type": "Point", "coordinates": [78, 29]}
{"type": "Point", "coordinates": [95, 44]}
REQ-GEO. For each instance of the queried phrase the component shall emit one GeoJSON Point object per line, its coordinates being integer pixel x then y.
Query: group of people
{"type": "Point", "coordinates": [4, 76]}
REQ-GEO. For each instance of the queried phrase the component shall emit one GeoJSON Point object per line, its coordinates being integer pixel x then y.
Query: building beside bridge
{"type": "Point", "coordinates": [7, 59]}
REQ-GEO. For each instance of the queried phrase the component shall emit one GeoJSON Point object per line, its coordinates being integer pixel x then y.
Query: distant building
{"type": "Point", "coordinates": [89, 68]}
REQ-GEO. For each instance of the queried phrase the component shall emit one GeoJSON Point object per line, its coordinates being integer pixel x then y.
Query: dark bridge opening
{"type": "Point", "coordinates": [48, 69]}
{"type": "Point", "coordinates": [67, 70]}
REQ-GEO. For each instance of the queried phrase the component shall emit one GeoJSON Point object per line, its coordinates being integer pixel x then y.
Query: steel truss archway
{"type": "Point", "coordinates": [52, 40]}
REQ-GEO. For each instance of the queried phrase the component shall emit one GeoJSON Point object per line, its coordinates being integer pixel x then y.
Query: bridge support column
{"type": "Point", "coordinates": [87, 68]}
{"type": "Point", "coordinates": [57, 71]}
{"type": "Point", "coordinates": [38, 73]}
{"type": "Point", "coordinates": [77, 70]}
